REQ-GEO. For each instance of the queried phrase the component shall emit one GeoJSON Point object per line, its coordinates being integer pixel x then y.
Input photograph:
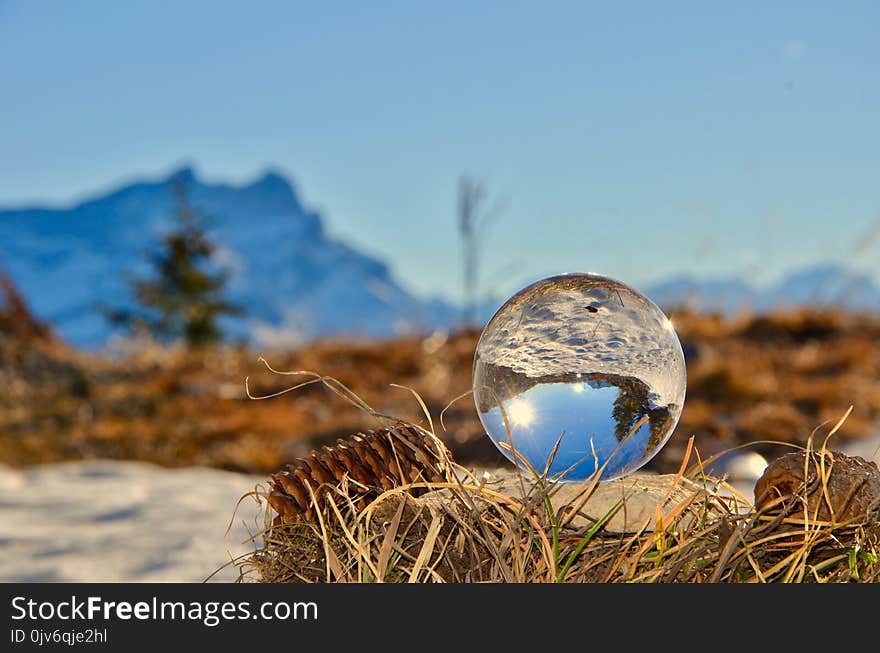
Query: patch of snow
{"type": "Point", "coordinates": [111, 521]}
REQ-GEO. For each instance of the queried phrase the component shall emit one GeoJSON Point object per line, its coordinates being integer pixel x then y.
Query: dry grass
{"type": "Point", "coordinates": [749, 379]}
{"type": "Point", "coordinates": [464, 531]}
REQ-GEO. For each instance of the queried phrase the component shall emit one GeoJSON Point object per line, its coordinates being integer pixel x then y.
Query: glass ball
{"type": "Point", "coordinates": [579, 374]}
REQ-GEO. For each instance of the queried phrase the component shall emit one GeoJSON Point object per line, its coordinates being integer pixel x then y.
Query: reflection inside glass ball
{"type": "Point", "coordinates": [579, 374]}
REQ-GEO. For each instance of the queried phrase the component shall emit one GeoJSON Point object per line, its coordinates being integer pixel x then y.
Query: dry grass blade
{"type": "Point", "coordinates": [330, 558]}
{"type": "Point", "coordinates": [449, 405]}
{"type": "Point", "coordinates": [427, 548]}
{"type": "Point", "coordinates": [388, 544]}
{"type": "Point", "coordinates": [421, 401]}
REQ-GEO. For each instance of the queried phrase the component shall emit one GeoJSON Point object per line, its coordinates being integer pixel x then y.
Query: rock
{"type": "Point", "coordinates": [851, 491]}
{"type": "Point", "coordinates": [641, 493]}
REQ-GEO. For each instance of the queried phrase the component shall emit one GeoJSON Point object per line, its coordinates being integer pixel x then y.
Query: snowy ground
{"type": "Point", "coordinates": [110, 521]}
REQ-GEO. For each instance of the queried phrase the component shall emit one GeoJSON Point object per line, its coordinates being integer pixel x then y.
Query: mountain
{"type": "Point", "coordinates": [295, 281]}
{"type": "Point", "coordinates": [712, 295]}
{"type": "Point", "coordinates": [826, 284]}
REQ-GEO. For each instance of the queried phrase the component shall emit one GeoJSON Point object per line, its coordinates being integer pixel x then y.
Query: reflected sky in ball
{"type": "Point", "coordinates": [582, 415]}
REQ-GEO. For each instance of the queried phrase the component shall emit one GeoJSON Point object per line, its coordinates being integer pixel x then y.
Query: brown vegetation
{"type": "Point", "coordinates": [749, 379]}
{"type": "Point", "coordinates": [465, 531]}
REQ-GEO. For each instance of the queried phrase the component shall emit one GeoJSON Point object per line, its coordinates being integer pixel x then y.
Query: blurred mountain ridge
{"type": "Point", "coordinates": [295, 280]}
{"type": "Point", "coordinates": [826, 285]}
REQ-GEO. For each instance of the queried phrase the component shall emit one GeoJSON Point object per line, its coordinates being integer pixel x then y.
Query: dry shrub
{"type": "Point", "coordinates": [16, 318]}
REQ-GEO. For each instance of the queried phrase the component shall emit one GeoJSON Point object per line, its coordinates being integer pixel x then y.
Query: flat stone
{"type": "Point", "coordinates": [639, 495]}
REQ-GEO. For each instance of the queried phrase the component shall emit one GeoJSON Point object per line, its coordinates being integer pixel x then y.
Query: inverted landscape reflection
{"type": "Point", "coordinates": [595, 420]}
{"type": "Point", "coordinates": [584, 362]}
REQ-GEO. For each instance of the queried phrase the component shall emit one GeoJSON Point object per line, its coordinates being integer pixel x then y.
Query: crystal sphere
{"type": "Point", "coordinates": [579, 374]}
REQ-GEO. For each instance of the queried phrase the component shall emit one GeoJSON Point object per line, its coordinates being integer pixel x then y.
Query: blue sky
{"type": "Point", "coordinates": [634, 139]}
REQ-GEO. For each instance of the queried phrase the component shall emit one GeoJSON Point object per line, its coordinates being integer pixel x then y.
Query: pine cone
{"type": "Point", "coordinates": [373, 462]}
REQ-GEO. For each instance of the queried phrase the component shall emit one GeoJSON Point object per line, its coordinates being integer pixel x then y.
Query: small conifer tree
{"type": "Point", "coordinates": [184, 297]}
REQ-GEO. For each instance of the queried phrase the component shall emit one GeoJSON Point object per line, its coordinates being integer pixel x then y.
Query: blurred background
{"type": "Point", "coordinates": [354, 190]}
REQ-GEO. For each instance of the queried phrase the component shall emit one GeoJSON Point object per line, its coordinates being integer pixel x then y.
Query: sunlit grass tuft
{"type": "Point", "coordinates": [464, 530]}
